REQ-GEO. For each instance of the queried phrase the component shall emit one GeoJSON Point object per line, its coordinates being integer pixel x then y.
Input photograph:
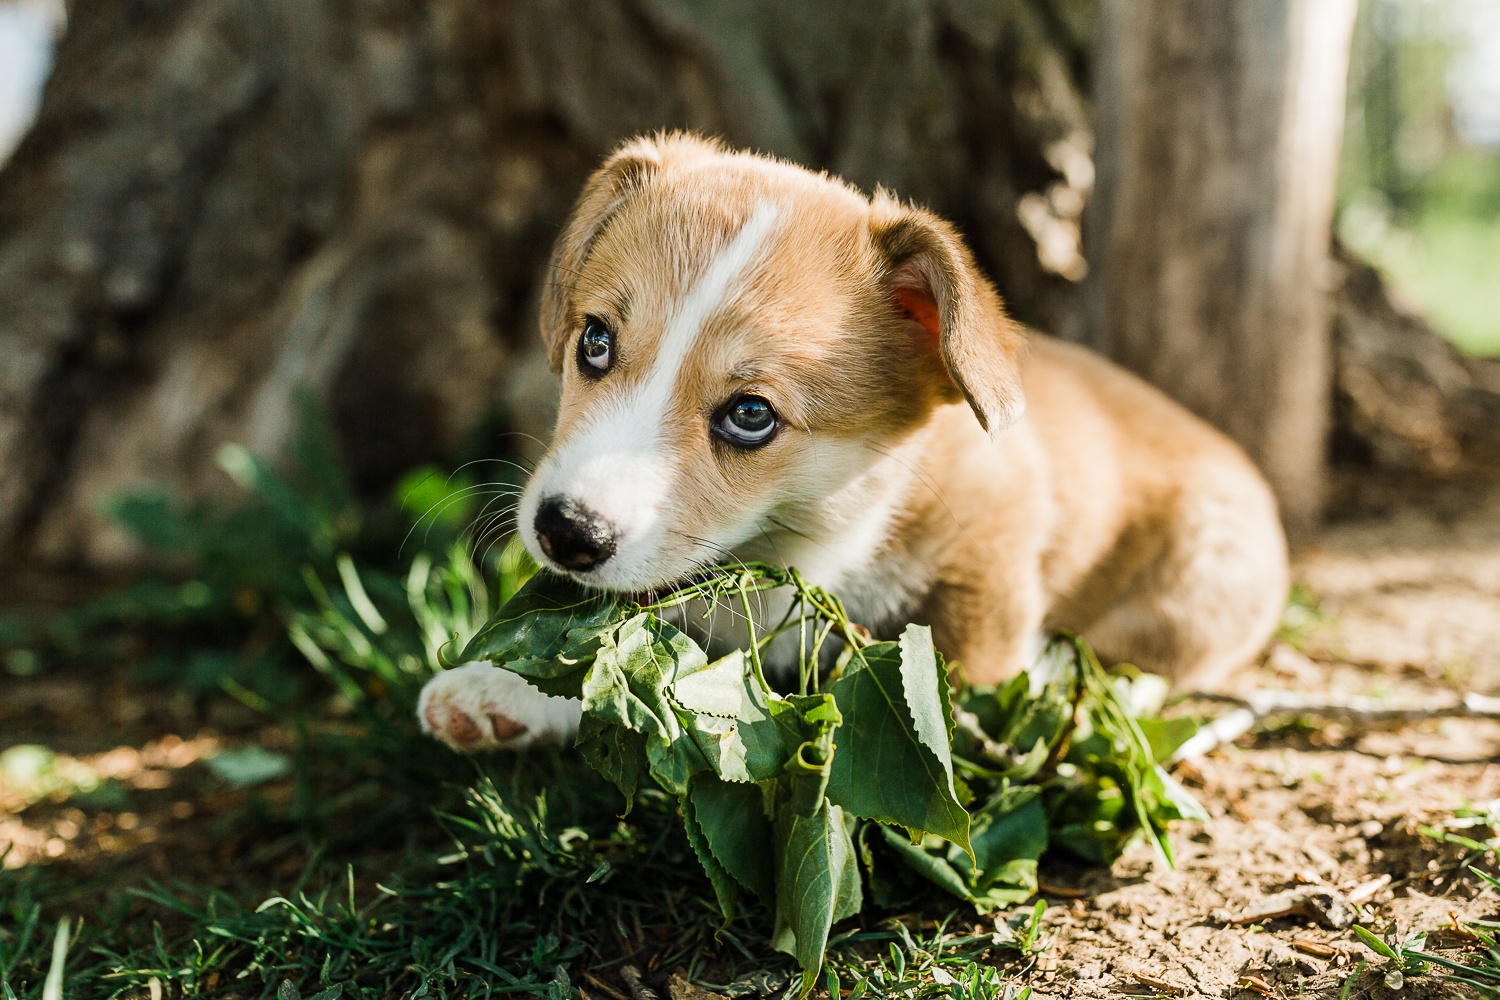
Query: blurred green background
{"type": "Point", "coordinates": [1419, 185]}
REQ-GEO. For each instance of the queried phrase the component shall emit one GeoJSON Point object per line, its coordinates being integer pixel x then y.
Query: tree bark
{"type": "Point", "coordinates": [225, 203]}
{"type": "Point", "coordinates": [1219, 126]}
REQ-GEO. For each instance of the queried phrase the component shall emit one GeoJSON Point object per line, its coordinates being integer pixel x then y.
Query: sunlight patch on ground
{"type": "Point", "coordinates": [32, 774]}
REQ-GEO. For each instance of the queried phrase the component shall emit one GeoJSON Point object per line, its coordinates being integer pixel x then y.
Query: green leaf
{"type": "Point", "coordinates": [547, 615]}
{"type": "Point", "coordinates": [627, 684]}
{"type": "Point", "coordinates": [817, 882]}
{"type": "Point", "coordinates": [914, 787]}
{"type": "Point", "coordinates": [1008, 836]}
{"type": "Point", "coordinates": [732, 818]}
{"type": "Point", "coordinates": [931, 866]}
{"type": "Point", "coordinates": [745, 745]}
{"type": "Point", "coordinates": [1377, 945]}
{"type": "Point", "coordinates": [1037, 704]}
{"type": "Point", "coordinates": [1028, 766]}
{"type": "Point", "coordinates": [1166, 735]}
{"type": "Point", "coordinates": [606, 694]}
{"type": "Point", "coordinates": [816, 873]}
{"type": "Point", "coordinates": [632, 669]}
{"type": "Point", "coordinates": [726, 888]}
{"type": "Point", "coordinates": [996, 707]}
{"type": "Point", "coordinates": [1087, 814]}
{"type": "Point", "coordinates": [1017, 885]}
{"type": "Point", "coordinates": [926, 685]}
{"type": "Point", "coordinates": [717, 689]}
{"type": "Point", "coordinates": [753, 751]}
{"type": "Point", "coordinates": [674, 761]}
{"type": "Point", "coordinates": [650, 678]}
{"type": "Point", "coordinates": [1168, 800]}
{"type": "Point", "coordinates": [1033, 926]}
{"type": "Point", "coordinates": [615, 752]}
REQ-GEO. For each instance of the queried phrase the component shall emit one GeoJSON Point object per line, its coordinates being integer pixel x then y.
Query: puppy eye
{"type": "Point", "coordinates": [596, 348]}
{"type": "Point", "coordinates": [749, 422]}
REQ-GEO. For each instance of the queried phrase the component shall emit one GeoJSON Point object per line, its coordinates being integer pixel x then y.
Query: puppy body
{"type": "Point", "coordinates": [925, 458]}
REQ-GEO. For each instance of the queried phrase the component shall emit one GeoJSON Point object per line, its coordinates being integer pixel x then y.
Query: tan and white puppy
{"type": "Point", "coordinates": [759, 362]}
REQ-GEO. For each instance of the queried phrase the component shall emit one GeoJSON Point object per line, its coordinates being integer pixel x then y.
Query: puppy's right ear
{"type": "Point", "coordinates": [612, 185]}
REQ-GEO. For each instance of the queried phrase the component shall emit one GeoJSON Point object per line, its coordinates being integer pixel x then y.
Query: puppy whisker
{"type": "Point", "coordinates": [436, 510]}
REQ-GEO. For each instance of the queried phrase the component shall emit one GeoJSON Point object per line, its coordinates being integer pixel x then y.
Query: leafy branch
{"type": "Point", "coordinates": [775, 790]}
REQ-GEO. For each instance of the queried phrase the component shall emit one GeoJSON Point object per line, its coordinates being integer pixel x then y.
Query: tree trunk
{"type": "Point", "coordinates": [1219, 130]}
{"type": "Point", "coordinates": [227, 202]}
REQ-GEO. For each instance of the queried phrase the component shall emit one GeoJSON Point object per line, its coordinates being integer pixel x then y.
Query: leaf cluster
{"type": "Point", "coordinates": [785, 797]}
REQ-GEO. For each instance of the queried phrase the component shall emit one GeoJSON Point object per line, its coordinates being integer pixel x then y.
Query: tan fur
{"type": "Point", "coordinates": [935, 463]}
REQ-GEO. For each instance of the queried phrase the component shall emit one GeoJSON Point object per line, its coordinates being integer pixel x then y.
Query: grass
{"type": "Point", "coordinates": [539, 889]}
{"type": "Point", "coordinates": [934, 961]}
{"type": "Point", "coordinates": [502, 910]}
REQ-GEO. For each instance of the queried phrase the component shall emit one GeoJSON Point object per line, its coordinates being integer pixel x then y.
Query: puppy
{"type": "Point", "coordinates": [759, 362]}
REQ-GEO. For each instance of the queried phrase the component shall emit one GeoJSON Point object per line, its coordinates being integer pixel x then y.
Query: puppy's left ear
{"type": "Point", "coordinates": [621, 176]}
{"type": "Point", "coordinates": [949, 307]}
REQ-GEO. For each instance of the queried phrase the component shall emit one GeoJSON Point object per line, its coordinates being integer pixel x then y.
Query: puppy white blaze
{"type": "Point", "coordinates": [706, 296]}
{"type": "Point", "coordinates": [618, 463]}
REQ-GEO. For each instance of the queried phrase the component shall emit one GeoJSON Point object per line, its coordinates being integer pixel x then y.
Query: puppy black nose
{"type": "Point", "coordinates": [573, 536]}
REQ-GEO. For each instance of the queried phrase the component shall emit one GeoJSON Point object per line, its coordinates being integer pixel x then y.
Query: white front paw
{"type": "Point", "coordinates": [480, 707]}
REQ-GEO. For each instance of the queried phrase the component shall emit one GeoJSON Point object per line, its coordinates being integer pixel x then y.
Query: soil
{"type": "Point", "coordinates": [1409, 584]}
{"type": "Point", "coordinates": [1410, 587]}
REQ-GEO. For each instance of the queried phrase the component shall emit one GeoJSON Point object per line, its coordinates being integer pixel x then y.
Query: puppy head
{"type": "Point", "coordinates": [739, 340]}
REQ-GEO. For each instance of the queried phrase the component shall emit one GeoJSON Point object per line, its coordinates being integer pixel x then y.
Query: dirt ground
{"type": "Point", "coordinates": [1410, 587]}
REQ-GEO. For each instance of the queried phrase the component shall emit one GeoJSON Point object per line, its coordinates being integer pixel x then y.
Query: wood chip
{"type": "Point", "coordinates": [638, 987]}
{"type": "Point", "coordinates": [679, 987]}
{"type": "Point", "coordinates": [1156, 983]}
{"type": "Point", "coordinates": [1315, 948]}
{"type": "Point", "coordinates": [1365, 890]}
{"type": "Point", "coordinates": [1257, 984]}
{"type": "Point", "coordinates": [1049, 889]}
{"type": "Point", "coordinates": [1458, 930]}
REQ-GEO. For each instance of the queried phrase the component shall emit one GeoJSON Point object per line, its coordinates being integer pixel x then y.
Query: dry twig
{"type": "Point", "coordinates": [1258, 705]}
{"type": "Point", "coordinates": [1320, 902]}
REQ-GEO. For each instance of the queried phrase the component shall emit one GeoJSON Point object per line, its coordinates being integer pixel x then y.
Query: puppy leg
{"type": "Point", "coordinates": [1211, 600]}
{"type": "Point", "coordinates": [479, 707]}
{"type": "Point", "coordinates": [991, 633]}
